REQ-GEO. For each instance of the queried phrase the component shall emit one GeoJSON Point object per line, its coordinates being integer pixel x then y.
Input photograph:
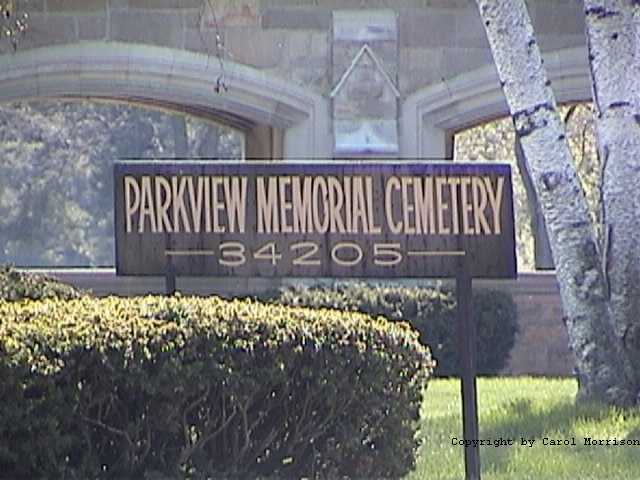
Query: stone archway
{"type": "Point", "coordinates": [435, 113]}
{"type": "Point", "coordinates": [431, 115]}
{"type": "Point", "coordinates": [282, 118]}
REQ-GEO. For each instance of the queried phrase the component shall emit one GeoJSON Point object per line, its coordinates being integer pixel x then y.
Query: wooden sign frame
{"type": "Point", "coordinates": [346, 219]}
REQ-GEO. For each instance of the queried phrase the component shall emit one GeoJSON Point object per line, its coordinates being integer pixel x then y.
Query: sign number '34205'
{"type": "Point", "coordinates": [295, 219]}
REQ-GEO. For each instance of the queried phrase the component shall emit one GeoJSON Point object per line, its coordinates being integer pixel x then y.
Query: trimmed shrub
{"type": "Point", "coordinates": [15, 285]}
{"type": "Point", "coordinates": [185, 387]}
{"type": "Point", "coordinates": [430, 310]}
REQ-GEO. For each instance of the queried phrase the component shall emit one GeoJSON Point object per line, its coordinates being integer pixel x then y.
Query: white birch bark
{"type": "Point", "coordinates": [613, 40]}
{"type": "Point", "coordinates": [603, 368]}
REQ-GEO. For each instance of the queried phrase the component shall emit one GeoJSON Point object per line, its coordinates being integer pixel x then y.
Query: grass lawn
{"type": "Point", "coordinates": [533, 408]}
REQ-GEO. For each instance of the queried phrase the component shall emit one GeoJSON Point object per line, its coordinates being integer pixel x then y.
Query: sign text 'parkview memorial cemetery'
{"type": "Point", "coordinates": [319, 220]}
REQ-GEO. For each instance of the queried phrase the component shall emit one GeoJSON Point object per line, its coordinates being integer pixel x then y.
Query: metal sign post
{"type": "Point", "coordinates": [170, 277]}
{"type": "Point", "coordinates": [467, 353]}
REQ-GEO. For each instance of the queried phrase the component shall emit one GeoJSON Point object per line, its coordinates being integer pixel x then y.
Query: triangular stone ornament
{"type": "Point", "coordinates": [365, 106]}
{"type": "Point", "coordinates": [360, 58]}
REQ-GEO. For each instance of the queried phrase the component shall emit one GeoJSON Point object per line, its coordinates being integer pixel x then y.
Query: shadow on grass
{"type": "Point", "coordinates": [519, 418]}
{"type": "Point", "coordinates": [631, 453]}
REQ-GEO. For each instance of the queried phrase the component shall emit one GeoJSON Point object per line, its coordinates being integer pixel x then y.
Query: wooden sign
{"type": "Point", "coordinates": [314, 220]}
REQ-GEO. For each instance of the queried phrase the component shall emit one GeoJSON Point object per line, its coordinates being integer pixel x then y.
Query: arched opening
{"type": "Point", "coordinates": [54, 201]}
{"type": "Point", "coordinates": [281, 118]}
{"type": "Point", "coordinates": [431, 116]}
{"type": "Point", "coordinates": [495, 140]}
{"type": "Point", "coordinates": [56, 173]}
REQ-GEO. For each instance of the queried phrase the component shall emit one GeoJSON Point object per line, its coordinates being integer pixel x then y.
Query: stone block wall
{"type": "Point", "coordinates": [437, 39]}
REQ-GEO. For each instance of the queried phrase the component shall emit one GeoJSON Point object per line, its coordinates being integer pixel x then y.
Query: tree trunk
{"type": "Point", "coordinates": [612, 33]}
{"type": "Point", "coordinates": [604, 371]}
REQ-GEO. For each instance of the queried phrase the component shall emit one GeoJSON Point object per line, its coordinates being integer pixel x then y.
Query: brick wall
{"type": "Point", "coordinates": [542, 343]}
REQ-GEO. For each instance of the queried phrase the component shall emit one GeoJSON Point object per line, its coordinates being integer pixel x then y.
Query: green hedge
{"type": "Point", "coordinates": [431, 311]}
{"type": "Point", "coordinates": [184, 387]}
{"type": "Point", "coordinates": [16, 285]}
